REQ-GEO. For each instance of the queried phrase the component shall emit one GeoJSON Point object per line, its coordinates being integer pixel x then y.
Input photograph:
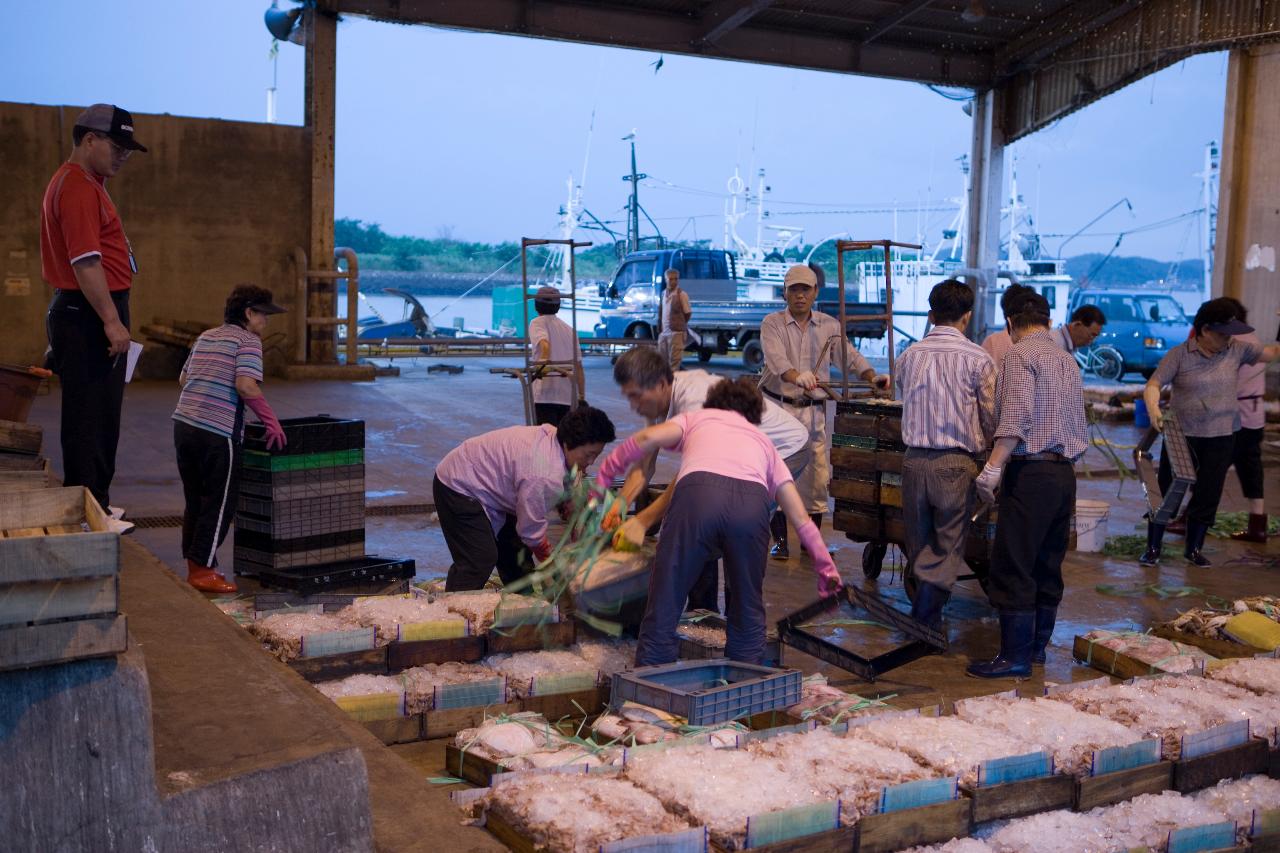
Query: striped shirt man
{"type": "Point", "coordinates": [209, 399]}
{"type": "Point", "coordinates": [1042, 399]}
{"type": "Point", "coordinates": [948, 388]}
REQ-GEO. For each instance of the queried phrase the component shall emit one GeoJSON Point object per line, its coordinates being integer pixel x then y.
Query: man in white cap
{"type": "Point", "coordinates": [792, 341]}
{"type": "Point", "coordinates": [554, 341]}
{"type": "Point", "coordinates": [86, 258]}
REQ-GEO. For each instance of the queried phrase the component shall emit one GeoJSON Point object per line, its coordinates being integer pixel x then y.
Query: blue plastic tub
{"type": "Point", "coordinates": [709, 691]}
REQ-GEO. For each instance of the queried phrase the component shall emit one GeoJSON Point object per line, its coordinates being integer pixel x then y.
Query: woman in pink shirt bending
{"type": "Point", "coordinates": [730, 476]}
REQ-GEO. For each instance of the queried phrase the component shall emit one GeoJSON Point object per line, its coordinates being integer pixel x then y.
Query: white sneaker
{"type": "Point", "coordinates": [123, 528]}
{"type": "Point", "coordinates": [116, 512]}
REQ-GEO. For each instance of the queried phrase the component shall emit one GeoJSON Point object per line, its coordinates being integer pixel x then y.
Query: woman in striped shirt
{"type": "Point", "coordinates": [221, 377]}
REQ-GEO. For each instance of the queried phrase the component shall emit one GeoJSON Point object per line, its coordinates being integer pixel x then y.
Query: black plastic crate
{"type": "Point", "coordinates": [330, 576]}
{"type": "Point", "coordinates": [308, 483]}
{"type": "Point", "coordinates": [251, 562]}
{"type": "Point", "coordinates": [316, 434]}
{"type": "Point", "coordinates": [283, 511]}
{"type": "Point", "coordinates": [269, 544]}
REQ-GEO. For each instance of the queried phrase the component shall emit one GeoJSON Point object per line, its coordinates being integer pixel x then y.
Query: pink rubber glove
{"type": "Point", "coordinates": [623, 457]}
{"type": "Point", "coordinates": [275, 432]}
{"type": "Point", "coordinates": [829, 582]}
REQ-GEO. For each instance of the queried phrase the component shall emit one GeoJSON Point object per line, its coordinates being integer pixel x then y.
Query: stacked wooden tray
{"type": "Point", "coordinates": [59, 571]}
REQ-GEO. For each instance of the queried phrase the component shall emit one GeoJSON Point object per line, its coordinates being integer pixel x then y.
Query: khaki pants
{"type": "Point", "coordinates": [816, 477]}
{"type": "Point", "coordinates": [671, 347]}
{"type": "Point", "coordinates": [937, 500]}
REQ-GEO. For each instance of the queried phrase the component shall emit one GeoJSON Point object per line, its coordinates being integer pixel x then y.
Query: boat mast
{"type": "Point", "coordinates": [1209, 215]}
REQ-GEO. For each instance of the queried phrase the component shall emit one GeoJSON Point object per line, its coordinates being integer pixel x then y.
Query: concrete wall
{"type": "Point", "coordinates": [214, 203]}
{"type": "Point", "coordinates": [1246, 263]}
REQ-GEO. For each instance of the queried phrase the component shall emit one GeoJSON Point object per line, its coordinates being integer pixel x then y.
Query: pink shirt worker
{"type": "Point", "coordinates": [730, 475]}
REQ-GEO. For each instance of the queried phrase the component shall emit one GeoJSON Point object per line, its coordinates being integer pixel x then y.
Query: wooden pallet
{"type": "Point", "coordinates": [1192, 774]}
{"type": "Point", "coordinates": [1108, 788]}
{"type": "Point", "coordinates": [18, 437]}
{"type": "Point", "coordinates": [1217, 648]}
{"type": "Point", "coordinates": [1015, 799]}
{"type": "Point", "coordinates": [940, 822]}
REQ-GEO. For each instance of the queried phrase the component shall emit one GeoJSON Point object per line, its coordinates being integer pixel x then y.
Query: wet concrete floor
{"type": "Point", "coordinates": [414, 419]}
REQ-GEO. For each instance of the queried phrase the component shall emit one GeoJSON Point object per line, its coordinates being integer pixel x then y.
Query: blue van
{"type": "Point", "coordinates": [1142, 324]}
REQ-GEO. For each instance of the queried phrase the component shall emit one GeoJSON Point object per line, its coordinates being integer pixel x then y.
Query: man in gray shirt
{"type": "Point", "coordinates": [792, 341]}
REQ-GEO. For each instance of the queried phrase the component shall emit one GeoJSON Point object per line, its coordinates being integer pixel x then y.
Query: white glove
{"type": "Point", "coordinates": [806, 380]}
{"type": "Point", "coordinates": [881, 381]}
{"type": "Point", "coordinates": [987, 482]}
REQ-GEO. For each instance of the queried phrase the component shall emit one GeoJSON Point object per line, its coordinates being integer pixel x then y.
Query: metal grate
{"type": "Point", "coordinates": [382, 510]}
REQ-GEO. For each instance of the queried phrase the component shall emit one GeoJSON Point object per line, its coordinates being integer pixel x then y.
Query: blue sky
{"type": "Point", "coordinates": [474, 135]}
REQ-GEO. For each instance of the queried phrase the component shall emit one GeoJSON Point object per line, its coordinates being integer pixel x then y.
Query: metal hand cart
{"type": "Point", "coordinates": [535, 370]}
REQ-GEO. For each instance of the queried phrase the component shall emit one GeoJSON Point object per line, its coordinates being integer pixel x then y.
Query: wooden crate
{"type": "Point", "coordinates": [855, 491]}
{"type": "Point", "coordinates": [854, 460]}
{"type": "Point", "coordinates": [1015, 799]}
{"type": "Point", "coordinates": [421, 652]}
{"type": "Point", "coordinates": [468, 766]}
{"type": "Point", "coordinates": [940, 822]}
{"type": "Point", "coordinates": [1192, 774]}
{"type": "Point", "coordinates": [57, 642]}
{"type": "Point", "coordinates": [396, 729]}
{"type": "Point", "coordinates": [447, 722]}
{"type": "Point", "coordinates": [21, 438]}
{"type": "Point", "coordinates": [20, 472]}
{"type": "Point", "coordinates": [1109, 661]}
{"type": "Point", "coordinates": [842, 840]}
{"type": "Point", "coordinates": [861, 526]}
{"type": "Point", "coordinates": [861, 426]}
{"type": "Point", "coordinates": [530, 638]}
{"type": "Point", "coordinates": [1217, 648]}
{"type": "Point", "coordinates": [1107, 788]}
{"type": "Point", "coordinates": [59, 578]}
{"type": "Point", "coordinates": [330, 667]}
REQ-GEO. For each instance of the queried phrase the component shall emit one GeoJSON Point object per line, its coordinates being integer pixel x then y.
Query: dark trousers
{"type": "Point", "coordinates": [710, 514]}
{"type": "Point", "coordinates": [92, 389]}
{"type": "Point", "coordinates": [549, 413]}
{"type": "Point", "coordinates": [1246, 455]}
{"type": "Point", "coordinates": [1034, 527]}
{"type": "Point", "coordinates": [472, 544]}
{"type": "Point", "coordinates": [937, 502]}
{"type": "Point", "coordinates": [705, 594]}
{"type": "Point", "coordinates": [209, 465]}
{"type": "Point", "coordinates": [1212, 457]}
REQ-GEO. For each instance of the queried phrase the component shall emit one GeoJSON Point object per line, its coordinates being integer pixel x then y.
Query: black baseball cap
{"type": "Point", "coordinates": [113, 122]}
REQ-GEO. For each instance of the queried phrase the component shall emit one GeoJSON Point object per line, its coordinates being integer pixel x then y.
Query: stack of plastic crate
{"type": "Point", "coordinates": [302, 505]}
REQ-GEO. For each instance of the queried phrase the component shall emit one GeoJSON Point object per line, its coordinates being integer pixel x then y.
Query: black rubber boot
{"type": "Point", "coordinates": [1195, 541]}
{"type": "Point", "coordinates": [1046, 618]}
{"type": "Point", "coordinates": [927, 606]}
{"type": "Point", "coordinates": [778, 529]}
{"type": "Point", "coordinates": [1017, 633]}
{"type": "Point", "coordinates": [1155, 539]}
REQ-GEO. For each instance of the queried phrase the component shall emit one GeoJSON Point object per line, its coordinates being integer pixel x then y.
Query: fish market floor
{"type": "Point", "coordinates": [414, 419]}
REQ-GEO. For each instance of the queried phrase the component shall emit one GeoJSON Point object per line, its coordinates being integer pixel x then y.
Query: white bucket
{"type": "Point", "coordinates": [1091, 524]}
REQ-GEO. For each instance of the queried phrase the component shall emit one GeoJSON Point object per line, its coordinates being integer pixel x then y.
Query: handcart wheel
{"type": "Point", "coordinates": [873, 559]}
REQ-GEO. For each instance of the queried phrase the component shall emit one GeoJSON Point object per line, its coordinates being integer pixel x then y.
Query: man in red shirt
{"type": "Point", "coordinates": [86, 258]}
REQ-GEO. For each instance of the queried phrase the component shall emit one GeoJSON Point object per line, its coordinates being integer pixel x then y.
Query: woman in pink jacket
{"type": "Point", "coordinates": [730, 476]}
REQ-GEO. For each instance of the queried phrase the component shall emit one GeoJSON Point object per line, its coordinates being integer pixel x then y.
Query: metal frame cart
{"type": "Point", "coordinates": [531, 372]}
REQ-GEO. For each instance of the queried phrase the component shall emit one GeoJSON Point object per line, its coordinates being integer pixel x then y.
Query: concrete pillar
{"type": "Point", "coordinates": [1245, 263]}
{"type": "Point", "coordinates": [321, 81]}
{"type": "Point", "coordinates": [986, 192]}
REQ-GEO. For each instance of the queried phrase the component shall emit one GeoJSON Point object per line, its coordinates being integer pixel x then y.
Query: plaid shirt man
{"type": "Point", "coordinates": [1042, 399]}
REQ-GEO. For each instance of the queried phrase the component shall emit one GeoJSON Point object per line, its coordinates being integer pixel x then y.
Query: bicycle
{"type": "Point", "coordinates": [1102, 360]}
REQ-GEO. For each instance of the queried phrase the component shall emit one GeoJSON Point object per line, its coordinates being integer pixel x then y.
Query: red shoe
{"type": "Point", "coordinates": [206, 579]}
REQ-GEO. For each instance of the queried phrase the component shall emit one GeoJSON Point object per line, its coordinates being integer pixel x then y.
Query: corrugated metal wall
{"type": "Point", "coordinates": [1155, 35]}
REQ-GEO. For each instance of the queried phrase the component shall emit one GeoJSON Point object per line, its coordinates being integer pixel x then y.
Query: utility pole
{"type": "Point", "coordinates": [633, 206]}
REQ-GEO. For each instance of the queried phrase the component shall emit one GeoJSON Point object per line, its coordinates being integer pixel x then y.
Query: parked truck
{"type": "Point", "coordinates": [720, 322]}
